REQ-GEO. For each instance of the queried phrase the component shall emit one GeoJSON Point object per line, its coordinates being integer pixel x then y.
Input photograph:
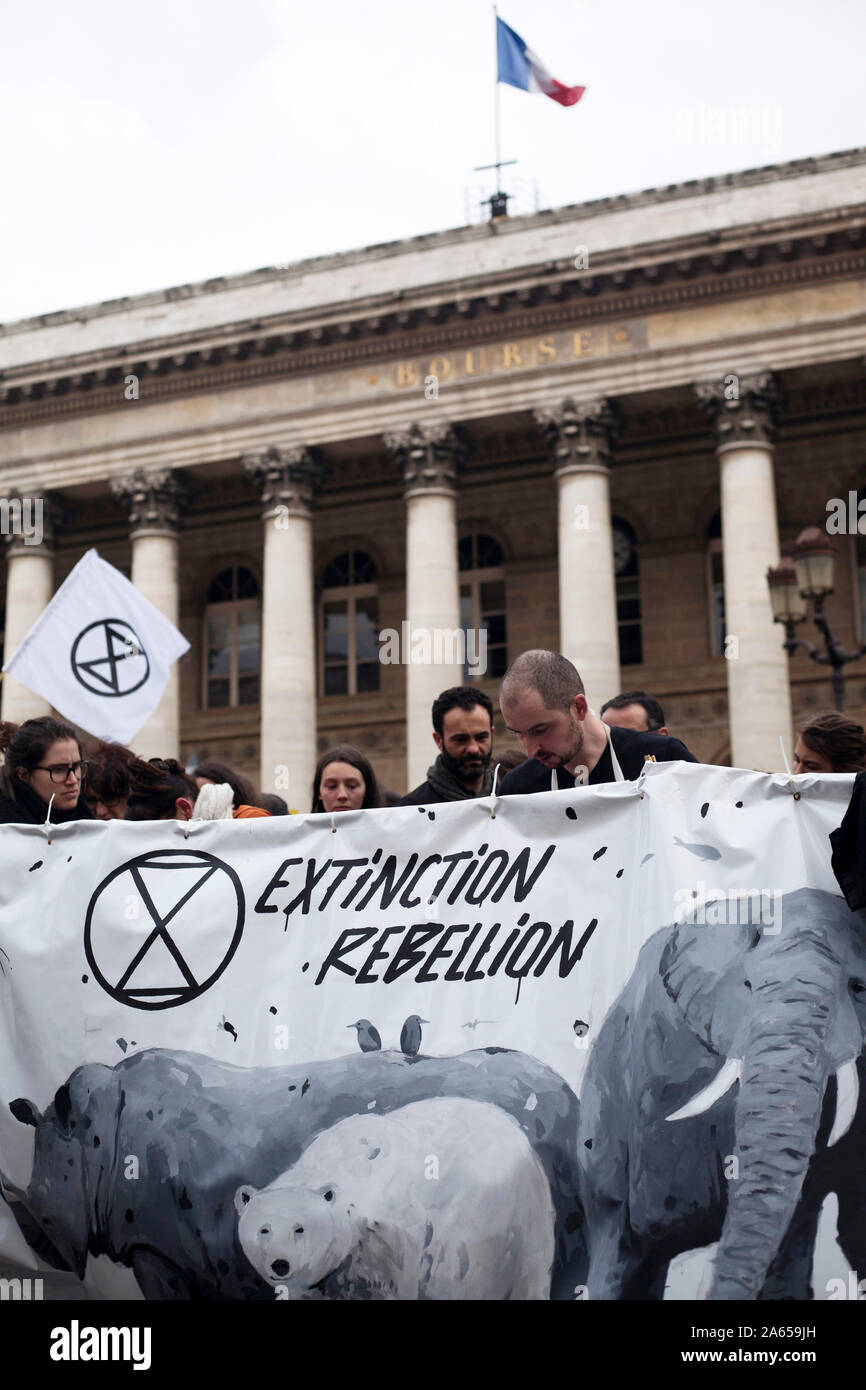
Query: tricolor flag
{"type": "Point", "coordinates": [519, 67]}
{"type": "Point", "coordinates": [100, 653]}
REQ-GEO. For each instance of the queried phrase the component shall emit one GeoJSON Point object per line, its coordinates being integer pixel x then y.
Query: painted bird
{"type": "Point", "coordinates": [368, 1036]}
{"type": "Point", "coordinates": [410, 1035]}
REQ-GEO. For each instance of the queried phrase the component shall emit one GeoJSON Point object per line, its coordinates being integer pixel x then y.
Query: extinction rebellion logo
{"type": "Point", "coordinates": [161, 929]}
{"type": "Point", "coordinates": [109, 659]}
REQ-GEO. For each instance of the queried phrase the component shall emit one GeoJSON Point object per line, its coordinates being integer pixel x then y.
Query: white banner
{"type": "Point", "coordinates": [100, 653]}
{"type": "Point", "coordinates": [440, 1053]}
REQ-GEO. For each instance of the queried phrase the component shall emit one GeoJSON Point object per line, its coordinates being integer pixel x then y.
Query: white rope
{"type": "Point", "coordinates": [794, 791]}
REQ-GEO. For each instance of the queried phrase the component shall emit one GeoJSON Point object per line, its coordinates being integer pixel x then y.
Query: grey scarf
{"type": "Point", "coordinates": [450, 788]}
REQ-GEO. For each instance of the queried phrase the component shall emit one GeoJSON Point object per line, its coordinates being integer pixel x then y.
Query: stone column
{"type": "Point", "coordinates": [759, 692]}
{"type": "Point", "coordinates": [29, 588]}
{"type": "Point", "coordinates": [154, 499]}
{"type": "Point", "coordinates": [581, 433]}
{"type": "Point", "coordinates": [287, 480]}
{"type": "Point", "coordinates": [429, 457]}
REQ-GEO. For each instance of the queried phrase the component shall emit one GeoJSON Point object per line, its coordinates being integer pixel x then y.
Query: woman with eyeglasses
{"type": "Point", "coordinates": [42, 759]}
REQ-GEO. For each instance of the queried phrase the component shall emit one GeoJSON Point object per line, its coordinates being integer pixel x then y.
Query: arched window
{"type": "Point", "coordinates": [232, 639]}
{"type": "Point", "coordinates": [482, 605]}
{"type": "Point", "coordinates": [628, 619]}
{"type": "Point", "coordinates": [349, 625]}
{"type": "Point", "coordinates": [715, 586]}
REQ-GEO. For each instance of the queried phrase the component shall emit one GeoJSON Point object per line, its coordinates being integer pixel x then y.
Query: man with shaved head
{"type": "Point", "coordinates": [543, 701]}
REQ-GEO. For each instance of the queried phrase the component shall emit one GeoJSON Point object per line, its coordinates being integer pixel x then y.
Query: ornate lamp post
{"type": "Point", "coordinates": [807, 577]}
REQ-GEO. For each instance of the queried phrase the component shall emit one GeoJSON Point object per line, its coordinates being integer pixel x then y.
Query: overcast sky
{"type": "Point", "coordinates": [152, 144]}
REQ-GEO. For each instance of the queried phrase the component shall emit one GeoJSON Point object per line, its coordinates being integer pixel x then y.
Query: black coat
{"type": "Point", "coordinates": [848, 843]}
{"type": "Point", "coordinates": [631, 747]}
{"type": "Point", "coordinates": [19, 805]}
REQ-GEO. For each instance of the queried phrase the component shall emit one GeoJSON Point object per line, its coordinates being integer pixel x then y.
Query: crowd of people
{"type": "Point", "coordinates": [50, 773]}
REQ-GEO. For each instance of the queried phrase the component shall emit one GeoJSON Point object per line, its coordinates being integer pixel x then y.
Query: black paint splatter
{"type": "Point", "coordinates": [738, 804]}
{"type": "Point", "coordinates": [84, 979]}
{"type": "Point", "coordinates": [587, 1143]}
{"type": "Point", "coordinates": [306, 1086]}
{"type": "Point", "coordinates": [422, 809]}
{"type": "Point", "coordinates": [431, 815]}
{"type": "Point", "coordinates": [129, 1215]}
{"type": "Point", "coordinates": [580, 1028]}
{"type": "Point", "coordinates": [149, 1114]}
{"type": "Point", "coordinates": [704, 809]}
{"type": "Point", "coordinates": [646, 859]}
{"type": "Point", "coordinates": [122, 1043]}
{"type": "Point", "coordinates": [293, 1088]}
{"type": "Point", "coordinates": [37, 865]}
{"type": "Point", "coordinates": [69, 860]}
{"type": "Point", "coordinates": [272, 1009]}
{"type": "Point", "coordinates": [600, 852]}
{"type": "Point", "coordinates": [229, 1029]}
{"type": "Point", "coordinates": [571, 813]}
{"type": "Point", "coordinates": [305, 966]}
{"type": "Point", "coordinates": [619, 873]}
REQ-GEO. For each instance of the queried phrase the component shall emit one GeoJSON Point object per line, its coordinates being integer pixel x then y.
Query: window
{"type": "Point", "coordinates": [625, 564]}
{"type": "Point", "coordinates": [232, 639]}
{"type": "Point", "coordinates": [482, 605]}
{"type": "Point", "coordinates": [716, 586]}
{"type": "Point", "coordinates": [349, 625]}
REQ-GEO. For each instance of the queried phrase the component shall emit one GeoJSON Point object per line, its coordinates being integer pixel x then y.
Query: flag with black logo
{"type": "Point", "coordinates": [100, 652]}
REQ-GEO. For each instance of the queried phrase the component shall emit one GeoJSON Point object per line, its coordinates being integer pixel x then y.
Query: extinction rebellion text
{"type": "Point", "coordinates": [473, 950]}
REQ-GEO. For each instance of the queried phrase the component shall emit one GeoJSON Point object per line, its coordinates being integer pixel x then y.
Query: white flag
{"type": "Point", "coordinates": [100, 652]}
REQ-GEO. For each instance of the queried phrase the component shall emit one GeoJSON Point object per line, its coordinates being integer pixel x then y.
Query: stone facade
{"type": "Point", "coordinates": [436, 379]}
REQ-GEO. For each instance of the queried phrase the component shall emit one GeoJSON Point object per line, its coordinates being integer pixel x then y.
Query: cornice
{"type": "Point", "coordinates": [571, 213]}
{"type": "Point", "coordinates": [556, 298]}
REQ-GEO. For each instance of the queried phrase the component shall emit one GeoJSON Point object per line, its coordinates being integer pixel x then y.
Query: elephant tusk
{"type": "Point", "coordinates": [847, 1095]}
{"type": "Point", "coordinates": [730, 1072]}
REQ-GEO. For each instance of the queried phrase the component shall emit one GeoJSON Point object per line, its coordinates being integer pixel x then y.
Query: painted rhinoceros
{"type": "Point", "coordinates": [142, 1161]}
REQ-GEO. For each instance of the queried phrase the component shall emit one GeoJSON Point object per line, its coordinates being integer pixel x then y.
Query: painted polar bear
{"type": "Point", "coordinates": [440, 1199]}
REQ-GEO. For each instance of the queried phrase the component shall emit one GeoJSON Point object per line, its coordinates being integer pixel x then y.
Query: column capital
{"type": "Point", "coordinates": [285, 478]}
{"type": "Point", "coordinates": [29, 523]}
{"type": "Point", "coordinates": [429, 456]}
{"type": "Point", "coordinates": [154, 497]}
{"type": "Point", "coordinates": [742, 408]}
{"type": "Point", "coordinates": [581, 434]}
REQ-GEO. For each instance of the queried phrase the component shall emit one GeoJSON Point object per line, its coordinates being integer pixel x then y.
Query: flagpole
{"type": "Point", "coordinates": [496, 92]}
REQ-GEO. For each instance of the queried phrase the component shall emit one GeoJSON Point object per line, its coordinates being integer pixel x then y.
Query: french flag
{"type": "Point", "coordinates": [519, 67]}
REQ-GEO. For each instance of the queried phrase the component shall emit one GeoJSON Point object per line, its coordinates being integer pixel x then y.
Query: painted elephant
{"type": "Point", "coordinates": [709, 1109]}
{"type": "Point", "coordinates": [142, 1161]}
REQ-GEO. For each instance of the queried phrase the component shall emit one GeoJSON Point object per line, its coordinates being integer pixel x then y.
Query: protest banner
{"type": "Point", "coordinates": [594, 1044]}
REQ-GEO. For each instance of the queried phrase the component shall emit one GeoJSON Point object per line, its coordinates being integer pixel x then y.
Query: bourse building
{"type": "Point", "coordinates": [355, 480]}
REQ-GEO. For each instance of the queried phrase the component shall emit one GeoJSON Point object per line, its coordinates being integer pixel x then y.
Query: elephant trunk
{"type": "Point", "coordinates": [782, 1084]}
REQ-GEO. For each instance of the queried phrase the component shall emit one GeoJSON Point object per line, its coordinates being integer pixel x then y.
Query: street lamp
{"type": "Point", "coordinates": [807, 577]}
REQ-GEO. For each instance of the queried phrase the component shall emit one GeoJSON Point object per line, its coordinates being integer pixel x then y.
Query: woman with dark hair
{"type": "Point", "coordinates": [830, 743]}
{"type": "Point", "coordinates": [245, 798]}
{"type": "Point", "coordinates": [42, 761]}
{"type": "Point", "coordinates": [107, 784]}
{"type": "Point", "coordinates": [344, 781]}
{"type": "Point", "coordinates": [159, 789]}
